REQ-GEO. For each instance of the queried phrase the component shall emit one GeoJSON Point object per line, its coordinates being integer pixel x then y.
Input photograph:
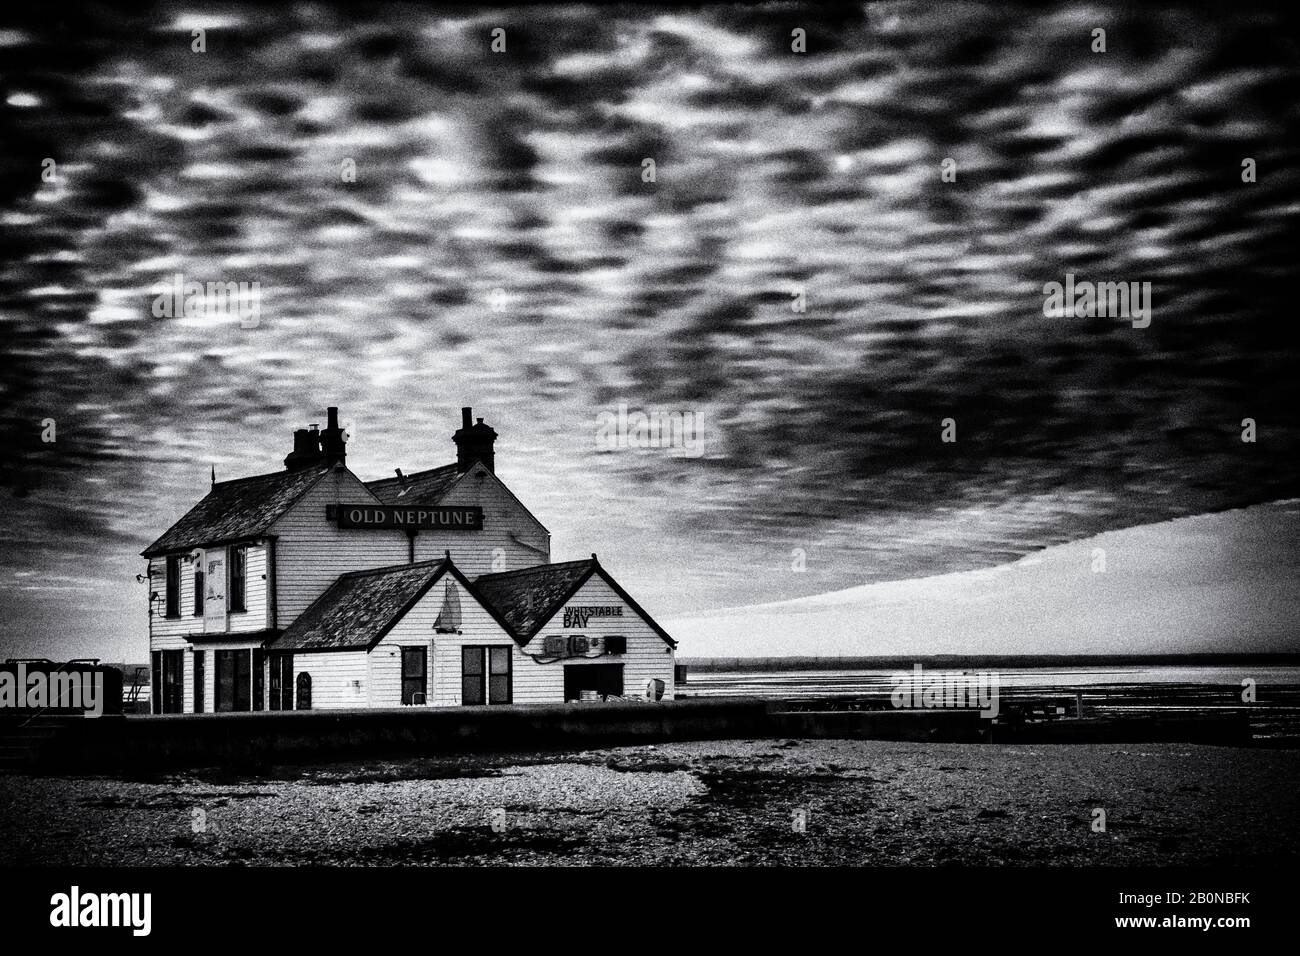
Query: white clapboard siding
{"type": "Point", "coordinates": [648, 655]}
{"type": "Point", "coordinates": [511, 537]}
{"type": "Point", "coordinates": [209, 649]}
{"type": "Point", "coordinates": [255, 618]}
{"type": "Point", "coordinates": [170, 633]}
{"type": "Point", "coordinates": [338, 679]}
{"type": "Point", "coordinates": [415, 629]}
{"type": "Point", "coordinates": [311, 551]}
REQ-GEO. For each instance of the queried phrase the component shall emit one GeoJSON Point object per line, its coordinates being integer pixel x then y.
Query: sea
{"type": "Point", "coordinates": [1269, 693]}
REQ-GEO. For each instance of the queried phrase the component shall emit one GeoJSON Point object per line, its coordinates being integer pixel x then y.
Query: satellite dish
{"type": "Point", "coordinates": [654, 689]}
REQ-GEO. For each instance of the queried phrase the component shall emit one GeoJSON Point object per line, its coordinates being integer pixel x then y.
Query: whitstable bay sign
{"type": "Point", "coordinates": [421, 518]}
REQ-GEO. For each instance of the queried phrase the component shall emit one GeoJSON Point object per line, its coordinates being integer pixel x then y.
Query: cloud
{"type": "Point", "coordinates": [522, 172]}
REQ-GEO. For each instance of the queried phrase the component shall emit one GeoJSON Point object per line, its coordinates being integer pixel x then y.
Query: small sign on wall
{"type": "Point", "coordinates": [214, 590]}
{"type": "Point", "coordinates": [578, 616]}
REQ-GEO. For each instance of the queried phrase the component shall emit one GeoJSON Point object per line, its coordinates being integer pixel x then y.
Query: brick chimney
{"type": "Point", "coordinates": [474, 442]}
{"type": "Point", "coordinates": [333, 447]}
{"type": "Point", "coordinates": [306, 450]}
{"type": "Point", "coordinates": [312, 448]}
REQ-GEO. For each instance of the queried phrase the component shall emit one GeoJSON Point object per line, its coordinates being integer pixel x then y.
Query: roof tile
{"type": "Point", "coordinates": [242, 508]}
{"type": "Point", "coordinates": [358, 609]}
{"type": "Point", "coordinates": [526, 599]}
{"type": "Point", "coordinates": [420, 488]}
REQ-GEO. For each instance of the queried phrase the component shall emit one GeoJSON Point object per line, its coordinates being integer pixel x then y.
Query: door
{"type": "Point", "coordinates": [259, 678]}
{"type": "Point", "coordinates": [414, 675]}
{"type": "Point", "coordinates": [167, 682]}
{"type": "Point", "coordinates": [171, 671]}
{"type": "Point", "coordinates": [199, 678]}
{"type": "Point", "coordinates": [234, 678]}
{"type": "Point", "coordinates": [281, 681]}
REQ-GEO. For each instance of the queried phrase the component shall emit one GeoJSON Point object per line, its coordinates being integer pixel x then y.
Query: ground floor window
{"type": "Point", "coordinates": [304, 691]}
{"type": "Point", "coordinates": [415, 675]}
{"type": "Point", "coordinates": [234, 681]}
{"type": "Point", "coordinates": [604, 680]}
{"type": "Point", "coordinates": [259, 679]}
{"type": "Point", "coordinates": [168, 680]}
{"type": "Point", "coordinates": [485, 675]}
{"type": "Point", "coordinates": [199, 678]}
{"type": "Point", "coordinates": [281, 681]}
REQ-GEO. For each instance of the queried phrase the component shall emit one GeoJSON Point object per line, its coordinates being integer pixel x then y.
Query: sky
{"type": "Point", "coordinates": [499, 246]}
{"type": "Point", "coordinates": [1202, 584]}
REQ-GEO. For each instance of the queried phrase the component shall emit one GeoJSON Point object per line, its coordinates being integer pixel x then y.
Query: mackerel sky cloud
{"type": "Point", "coordinates": [499, 248]}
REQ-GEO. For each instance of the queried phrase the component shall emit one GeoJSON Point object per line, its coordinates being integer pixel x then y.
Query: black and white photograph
{"type": "Point", "coordinates": [593, 453]}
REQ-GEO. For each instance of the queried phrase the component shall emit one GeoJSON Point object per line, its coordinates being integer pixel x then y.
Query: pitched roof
{"type": "Point", "coordinates": [526, 599]}
{"type": "Point", "coordinates": [242, 508]}
{"type": "Point", "coordinates": [529, 597]}
{"type": "Point", "coordinates": [420, 488]}
{"type": "Point", "coordinates": [358, 609]}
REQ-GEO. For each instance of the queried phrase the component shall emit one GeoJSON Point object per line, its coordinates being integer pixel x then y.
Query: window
{"type": "Point", "coordinates": [167, 682]}
{"type": "Point", "coordinates": [281, 681]}
{"type": "Point", "coordinates": [485, 675]}
{"type": "Point", "coordinates": [173, 586]}
{"type": "Point", "coordinates": [198, 592]}
{"type": "Point", "coordinates": [238, 577]}
{"type": "Point", "coordinates": [234, 681]}
{"type": "Point", "coordinates": [199, 676]}
{"type": "Point", "coordinates": [414, 685]}
{"type": "Point", "coordinates": [259, 678]}
{"type": "Point", "coordinates": [603, 679]}
{"type": "Point", "coordinates": [498, 675]}
{"type": "Point", "coordinates": [304, 691]}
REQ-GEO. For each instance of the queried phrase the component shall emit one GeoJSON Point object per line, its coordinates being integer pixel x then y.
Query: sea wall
{"type": "Point", "coordinates": [193, 740]}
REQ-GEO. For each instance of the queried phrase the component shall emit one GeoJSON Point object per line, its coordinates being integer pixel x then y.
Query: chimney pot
{"type": "Point", "coordinates": [306, 449]}
{"type": "Point", "coordinates": [331, 439]}
{"type": "Point", "coordinates": [474, 442]}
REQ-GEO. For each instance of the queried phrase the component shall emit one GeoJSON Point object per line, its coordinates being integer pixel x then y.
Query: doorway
{"type": "Point", "coordinates": [168, 680]}
{"type": "Point", "coordinates": [603, 680]}
{"type": "Point", "coordinates": [415, 675]}
{"type": "Point", "coordinates": [234, 680]}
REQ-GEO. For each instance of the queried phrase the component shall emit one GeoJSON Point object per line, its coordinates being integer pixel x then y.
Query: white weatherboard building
{"type": "Point", "coordinates": [309, 588]}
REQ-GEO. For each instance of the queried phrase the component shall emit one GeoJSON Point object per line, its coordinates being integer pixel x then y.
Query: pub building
{"type": "Point", "coordinates": [310, 588]}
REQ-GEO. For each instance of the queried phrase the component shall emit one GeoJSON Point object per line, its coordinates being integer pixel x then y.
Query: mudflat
{"type": "Point", "coordinates": [749, 802]}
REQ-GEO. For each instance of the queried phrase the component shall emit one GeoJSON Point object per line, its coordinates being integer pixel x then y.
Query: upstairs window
{"type": "Point", "coordinates": [198, 591]}
{"type": "Point", "coordinates": [238, 577]}
{"type": "Point", "coordinates": [173, 586]}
